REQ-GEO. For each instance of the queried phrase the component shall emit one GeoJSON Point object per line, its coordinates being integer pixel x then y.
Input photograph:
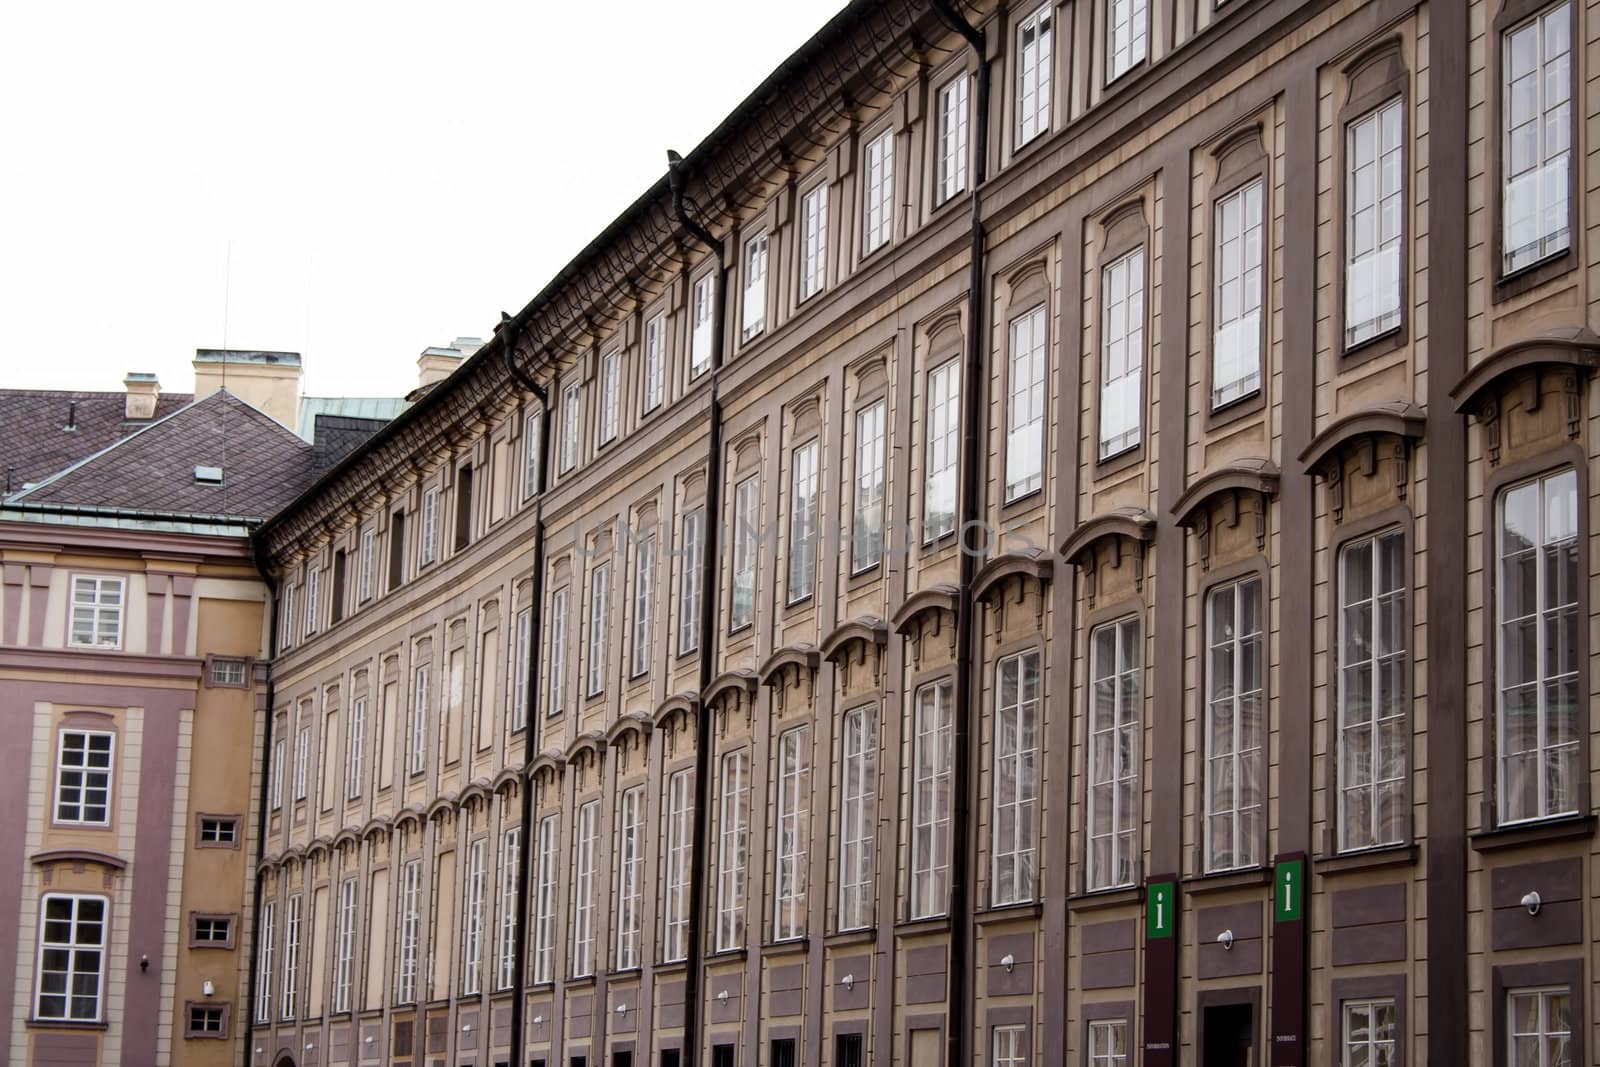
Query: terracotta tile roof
{"type": "Point", "coordinates": [33, 443]}
{"type": "Point", "coordinates": [264, 465]}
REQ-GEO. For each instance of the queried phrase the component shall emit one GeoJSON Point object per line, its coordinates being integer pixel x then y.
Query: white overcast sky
{"type": "Point", "coordinates": [388, 175]}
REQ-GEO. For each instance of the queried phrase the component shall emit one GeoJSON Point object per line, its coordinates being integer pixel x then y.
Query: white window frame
{"type": "Point", "coordinates": [655, 361]}
{"type": "Point", "coordinates": [94, 783]}
{"type": "Point", "coordinates": [280, 756]}
{"type": "Point", "coordinates": [569, 427]}
{"type": "Point", "coordinates": [584, 833]}
{"type": "Point", "coordinates": [313, 582]}
{"type": "Point", "coordinates": [1237, 302]}
{"type": "Point", "coordinates": [266, 939]}
{"type": "Point", "coordinates": [680, 815]}
{"type": "Point", "coordinates": [419, 719]}
{"type": "Point", "coordinates": [1374, 222]}
{"type": "Point", "coordinates": [1028, 352]}
{"type": "Point", "coordinates": [1127, 36]}
{"type": "Point", "coordinates": [1112, 781]}
{"type": "Point", "coordinates": [95, 621]}
{"type": "Point", "coordinates": [1245, 819]}
{"type": "Point", "coordinates": [702, 321]}
{"type": "Point", "coordinates": [81, 953]}
{"type": "Point", "coordinates": [599, 628]}
{"type": "Point", "coordinates": [505, 957]}
{"type": "Point", "coordinates": [803, 497]}
{"type": "Point", "coordinates": [630, 876]}
{"type": "Point", "coordinates": [1122, 316]}
{"type": "Point", "coordinates": [369, 542]}
{"type": "Point", "coordinates": [1546, 179]}
{"type": "Point", "coordinates": [610, 395]}
{"type": "Point", "coordinates": [1014, 785]}
{"type": "Point", "coordinates": [1361, 1037]}
{"type": "Point", "coordinates": [950, 154]}
{"type": "Point", "coordinates": [355, 738]}
{"type": "Point", "coordinates": [858, 802]}
{"type": "Point", "coordinates": [746, 547]}
{"type": "Point", "coordinates": [1545, 1030]}
{"type": "Point", "coordinates": [1364, 650]}
{"type": "Point", "coordinates": [472, 941]}
{"type": "Point", "coordinates": [532, 432]}
{"type": "Point", "coordinates": [519, 668]}
{"type": "Point", "coordinates": [814, 241]}
{"type": "Point", "coordinates": [790, 836]}
{"type": "Point", "coordinates": [932, 725]}
{"type": "Point", "coordinates": [544, 903]}
{"type": "Point", "coordinates": [288, 996]}
{"type": "Point", "coordinates": [866, 530]}
{"type": "Point", "coordinates": [1009, 1045]}
{"type": "Point", "coordinates": [344, 946]}
{"type": "Point", "coordinates": [877, 193]}
{"type": "Point", "coordinates": [733, 846]}
{"type": "Point", "coordinates": [286, 622]}
{"type": "Point", "coordinates": [689, 588]}
{"type": "Point", "coordinates": [302, 763]}
{"type": "Point", "coordinates": [941, 480]}
{"type": "Point", "coordinates": [556, 693]}
{"type": "Point", "coordinates": [644, 580]}
{"type": "Point", "coordinates": [1108, 1043]}
{"type": "Point", "coordinates": [428, 547]}
{"type": "Point", "coordinates": [1546, 620]}
{"type": "Point", "coordinates": [753, 313]}
{"type": "Point", "coordinates": [1035, 76]}
{"type": "Point", "coordinates": [406, 957]}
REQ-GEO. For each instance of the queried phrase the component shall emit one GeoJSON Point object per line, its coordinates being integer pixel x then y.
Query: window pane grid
{"type": "Point", "coordinates": [556, 694]}
{"type": "Point", "coordinates": [814, 242]}
{"type": "Point", "coordinates": [689, 589]}
{"type": "Point", "coordinates": [544, 904]}
{"type": "Point", "coordinates": [267, 941]}
{"type": "Point", "coordinates": [1114, 809]}
{"type": "Point", "coordinates": [1010, 1046]}
{"type": "Point", "coordinates": [71, 958]}
{"type": "Point", "coordinates": [1034, 51]}
{"type": "Point", "coordinates": [746, 515]}
{"type": "Point", "coordinates": [410, 887]}
{"type": "Point", "coordinates": [355, 739]}
{"type": "Point", "coordinates": [1025, 405]}
{"type": "Point", "coordinates": [531, 431]}
{"type": "Point", "coordinates": [1373, 675]}
{"type": "Point", "coordinates": [472, 948]}
{"type": "Point", "coordinates": [1234, 727]}
{"type": "Point", "coordinates": [878, 216]}
{"type": "Point", "coordinates": [857, 811]}
{"type": "Point", "coordinates": [1236, 296]}
{"type": "Point", "coordinates": [1370, 1037]}
{"type": "Point", "coordinates": [419, 720]}
{"type": "Point", "coordinates": [733, 849]}
{"type": "Point", "coordinates": [701, 326]}
{"type": "Point", "coordinates": [1121, 353]}
{"type": "Point", "coordinates": [943, 442]}
{"type": "Point", "coordinates": [569, 428]}
{"type": "Point", "coordinates": [803, 522]}
{"type": "Point", "coordinates": [1373, 223]}
{"type": "Point", "coordinates": [599, 627]}
{"type": "Point", "coordinates": [866, 539]}
{"type": "Point", "coordinates": [291, 957]}
{"type": "Point", "coordinates": [644, 571]}
{"type": "Point", "coordinates": [344, 952]}
{"type": "Point", "coordinates": [1539, 1028]}
{"type": "Point", "coordinates": [930, 800]}
{"type": "Point", "coordinates": [83, 778]}
{"type": "Point", "coordinates": [96, 616]}
{"type": "Point", "coordinates": [794, 803]}
{"type": "Point", "coordinates": [510, 860]}
{"type": "Point", "coordinates": [610, 390]}
{"type": "Point", "coordinates": [655, 361]}
{"type": "Point", "coordinates": [1536, 105]}
{"type": "Point", "coordinates": [755, 287]}
{"type": "Point", "coordinates": [952, 148]}
{"type": "Point", "coordinates": [583, 870]}
{"type": "Point", "coordinates": [630, 876]}
{"type": "Point", "coordinates": [1016, 778]}
{"type": "Point", "coordinates": [680, 814]}
{"type": "Point", "coordinates": [1108, 1043]}
{"type": "Point", "coordinates": [1127, 23]}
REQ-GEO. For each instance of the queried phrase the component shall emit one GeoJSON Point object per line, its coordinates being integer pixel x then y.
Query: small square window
{"type": "Point", "coordinates": [219, 830]}
{"type": "Point", "coordinates": [210, 930]}
{"type": "Point", "coordinates": [207, 1020]}
{"type": "Point", "coordinates": [227, 672]}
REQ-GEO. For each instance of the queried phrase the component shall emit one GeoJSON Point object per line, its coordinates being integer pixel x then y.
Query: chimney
{"type": "Point", "coordinates": [436, 364]}
{"type": "Point", "coordinates": [143, 392]}
{"type": "Point", "coordinates": [267, 381]}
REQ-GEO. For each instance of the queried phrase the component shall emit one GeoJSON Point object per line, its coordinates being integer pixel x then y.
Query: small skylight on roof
{"type": "Point", "coordinates": [208, 475]}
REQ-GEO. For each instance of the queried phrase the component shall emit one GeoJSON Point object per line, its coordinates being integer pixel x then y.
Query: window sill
{"type": "Point", "coordinates": [1519, 835]}
{"type": "Point", "coordinates": [1525, 279]}
{"type": "Point", "coordinates": [1029, 909]}
{"type": "Point", "coordinates": [63, 1024]}
{"type": "Point", "coordinates": [864, 936]}
{"type": "Point", "coordinates": [1372, 859]}
{"type": "Point", "coordinates": [1104, 899]}
{"type": "Point", "coordinates": [1220, 415]}
{"type": "Point", "coordinates": [1119, 461]}
{"type": "Point", "coordinates": [723, 955]}
{"type": "Point", "coordinates": [937, 924]}
{"type": "Point", "coordinates": [579, 982]}
{"type": "Point", "coordinates": [794, 946]}
{"type": "Point", "coordinates": [673, 966]}
{"type": "Point", "coordinates": [1249, 878]}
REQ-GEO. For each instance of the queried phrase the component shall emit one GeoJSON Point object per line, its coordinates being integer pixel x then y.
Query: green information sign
{"type": "Point", "coordinates": [1288, 892]}
{"type": "Point", "coordinates": [1159, 909]}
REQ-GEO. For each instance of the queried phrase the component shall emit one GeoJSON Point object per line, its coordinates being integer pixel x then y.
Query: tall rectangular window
{"type": "Point", "coordinates": [943, 451]}
{"type": "Point", "coordinates": [419, 719]}
{"type": "Point", "coordinates": [1127, 30]}
{"type": "Point", "coordinates": [655, 361]}
{"type": "Point", "coordinates": [569, 428]}
{"type": "Point", "coordinates": [336, 597]}
{"type": "Point", "coordinates": [599, 627]}
{"type": "Point", "coordinates": [1113, 785]}
{"type": "Point", "coordinates": [464, 478]}
{"type": "Point", "coordinates": [556, 696]}
{"type": "Point", "coordinates": [532, 432]}
{"type": "Point", "coordinates": [355, 739]}
{"type": "Point", "coordinates": [733, 846]}
{"type": "Point", "coordinates": [1536, 146]}
{"type": "Point", "coordinates": [583, 866]}
{"type": "Point", "coordinates": [1540, 641]}
{"type": "Point", "coordinates": [286, 620]}
{"type": "Point", "coordinates": [1121, 353]}
{"type": "Point", "coordinates": [630, 876]}
{"type": "Point", "coordinates": [746, 516]}
{"type": "Point", "coordinates": [506, 952]}
{"type": "Point", "coordinates": [523, 649]}
{"type": "Point", "coordinates": [814, 242]}
{"type": "Point", "coordinates": [877, 216]}
{"type": "Point", "coordinates": [397, 532]}
{"type": "Point", "coordinates": [680, 819]}
{"type": "Point", "coordinates": [302, 763]}
{"type": "Point", "coordinates": [1539, 1028]}
{"type": "Point", "coordinates": [279, 756]}
{"type": "Point", "coordinates": [1016, 778]}
{"type": "Point", "coordinates": [344, 946]}
{"type": "Point", "coordinates": [96, 617]}
{"type": "Point", "coordinates": [1372, 691]}
{"type": "Point", "coordinates": [369, 550]}
{"type": "Point", "coordinates": [472, 942]}
{"type": "Point", "coordinates": [644, 581]}
{"type": "Point", "coordinates": [429, 549]}
{"type": "Point", "coordinates": [858, 802]}
{"type": "Point", "coordinates": [1010, 1046]}
{"type": "Point", "coordinates": [83, 777]}
{"type": "Point", "coordinates": [313, 594]}
{"type": "Point", "coordinates": [951, 156]}
{"type": "Point", "coordinates": [410, 890]}
{"type": "Point", "coordinates": [794, 813]}
{"type": "Point", "coordinates": [1237, 282]}
{"type": "Point", "coordinates": [610, 394]}
{"type": "Point", "coordinates": [701, 310]}
{"type": "Point", "coordinates": [802, 521]}
{"type": "Point", "coordinates": [1108, 1045]}
{"type": "Point", "coordinates": [1035, 53]}
{"type": "Point", "coordinates": [866, 535]}
{"type": "Point", "coordinates": [930, 799]}
{"type": "Point", "coordinates": [267, 945]}
{"type": "Point", "coordinates": [689, 581]}
{"type": "Point", "coordinates": [1369, 1034]}
{"type": "Point", "coordinates": [1235, 778]}
{"type": "Point", "coordinates": [1374, 219]}
{"type": "Point", "coordinates": [72, 948]}
{"type": "Point", "coordinates": [544, 905]}
{"type": "Point", "coordinates": [1025, 405]}
{"type": "Point", "coordinates": [755, 286]}
{"type": "Point", "coordinates": [291, 957]}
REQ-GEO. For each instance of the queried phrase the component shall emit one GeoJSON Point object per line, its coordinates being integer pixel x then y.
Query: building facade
{"type": "Point", "coordinates": [1059, 534]}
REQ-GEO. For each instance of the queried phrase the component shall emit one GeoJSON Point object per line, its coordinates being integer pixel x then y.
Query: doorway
{"type": "Point", "coordinates": [1229, 1036]}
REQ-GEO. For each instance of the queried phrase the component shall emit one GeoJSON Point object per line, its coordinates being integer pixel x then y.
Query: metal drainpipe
{"type": "Point", "coordinates": [261, 809]}
{"type": "Point", "coordinates": [708, 618]}
{"type": "Point", "coordinates": [530, 741]}
{"type": "Point", "coordinates": [962, 846]}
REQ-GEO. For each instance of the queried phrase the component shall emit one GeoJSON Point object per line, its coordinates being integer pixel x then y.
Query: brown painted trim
{"type": "Point", "coordinates": [1565, 972]}
{"type": "Point", "coordinates": [233, 929]}
{"type": "Point", "coordinates": [1255, 475]}
{"type": "Point", "coordinates": [1372, 859]}
{"type": "Point", "coordinates": [1521, 835]}
{"type": "Point", "coordinates": [1397, 418]}
{"type": "Point", "coordinates": [78, 855]}
{"type": "Point", "coordinates": [1575, 347]}
{"type": "Point", "coordinates": [238, 832]}
{"type": "Point", "coordinates": [102, 663]}
{"type": "Point", "coordinates": [1368, 987]}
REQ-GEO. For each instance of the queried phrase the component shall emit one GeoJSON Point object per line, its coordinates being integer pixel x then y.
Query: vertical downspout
{"type": "Point", "coordinates": [261, 805]}
{"type": "Point", "coordinates": [969, 523]}
{"type": "Point", "coordinates": [530, 740]}
{"type": "Point", "coordinates": [708, 620]}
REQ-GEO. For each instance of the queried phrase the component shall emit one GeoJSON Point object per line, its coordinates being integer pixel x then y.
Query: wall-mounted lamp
{"type": "Point", "coordinates": [723, 996]}
{"type": "Point", "coordinates": [1008, 961]}
{"type": "Point", "coordinates": [310, 1045]}
{"type": "Point", "coordinates": [848, 981]}
{"type": "Point", "coordinates": [467, 1028]}
{"type": "Point", "coordinates": [144, 963]}
{"type": "Point", "coordinates": [259, 1050]}
{"type": "Point", "coordinates": [1532, 902]}
{"type": "Point", "coordinates": [538, 1020]}
{"type": "Point", "coordinates": [367, 1040]}
{"type": "Point", "coordinates": [1225, 939]}
{"type": "Point", "coordinates": [207, 989]}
